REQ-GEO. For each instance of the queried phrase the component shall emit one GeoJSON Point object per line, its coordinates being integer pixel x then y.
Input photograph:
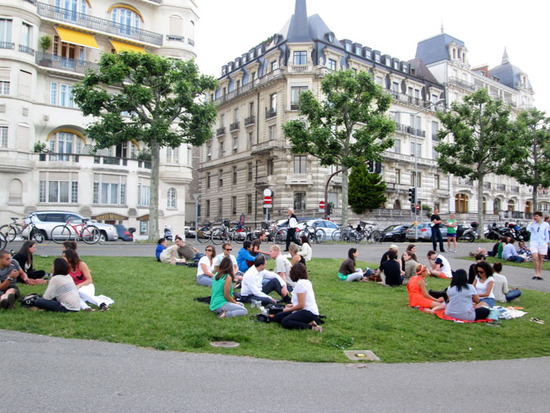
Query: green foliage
{"type": "Point", "coordinates": [344, 127]}
{"type": "Point", "coordinates": [154, 308]}
{"type": "Point", "coordinates": [366, 190]}
{"type": "Point", "coordinates": [532, 167]}
{"type": "Point", "coordinates": [44, 42]}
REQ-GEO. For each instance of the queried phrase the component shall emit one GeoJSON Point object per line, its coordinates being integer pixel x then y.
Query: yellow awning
{"type": "Point", "coordinates": [122, 47]}
{"type": "Point", "coordinates": [74, 37]}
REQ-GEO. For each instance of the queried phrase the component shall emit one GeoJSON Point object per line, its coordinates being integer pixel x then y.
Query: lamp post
{"type": "Point", "coordinates": [416, 163]}
{"type": "Point", "coordinates": [196, 198]}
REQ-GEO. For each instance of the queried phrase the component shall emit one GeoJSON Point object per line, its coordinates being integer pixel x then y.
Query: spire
{"type": "Point", "coordinates": [299, 28]}
{"type": "Point", "coordinates": [505, 59]}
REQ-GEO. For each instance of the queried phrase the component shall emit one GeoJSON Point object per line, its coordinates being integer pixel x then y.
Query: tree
{"type": "Point", "coordinates": [345, 127]}
{"type": "Point", "coordinates": [533, 166]}
{"type": "Point", "coordinates": [481, 144]}
{"type": "Point", "coordinates": [366, 190]}
{"type": "Point", "coordinates": [150, 99]}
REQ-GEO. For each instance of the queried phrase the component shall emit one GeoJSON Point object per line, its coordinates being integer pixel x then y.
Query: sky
{"type": "Point", "coordinates": [227, 29]}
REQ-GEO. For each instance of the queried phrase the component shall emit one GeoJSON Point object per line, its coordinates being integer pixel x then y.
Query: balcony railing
{"type": "Point", "coordinates": [276, 74]}
{"type": "Point", "coordinates": [7, 45]}
{"type": "Point", "coordinates": [97, 24]}
{"type": "Point", "coordinates": [234, 126]}
{"type": "Point", "coordinates": [26, 49]}
{"type": "Point", "coordinates": [270, 113]}
{"type": "Point", "coordinates": [250, 120]}
{"type": "Point", "coordinates": [462, 83]}
{"type": "Point", "coordinates": [64, 63]}
{"type": "Point", "coordinates": [220, 131]}
{"type": "Point", "coordinates": [85, 159]}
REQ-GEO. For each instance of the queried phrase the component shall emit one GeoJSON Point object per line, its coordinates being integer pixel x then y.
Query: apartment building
{"type": "Point", "coordinates": [46, 160]}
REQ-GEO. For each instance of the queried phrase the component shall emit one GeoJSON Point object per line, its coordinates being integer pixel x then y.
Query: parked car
{"type": "Point", "coordinates": [424, 232]}
{"type": "Point", "coordinates": [395, 233]}
{"type": "Point", "coordinates": [190, 232]}
{"type": "Point", "coordinates": [45, 221]}
{"type": "Point", "coordinates": [327, 226]}
{"type": "Point", "coordinates": [125, 234]}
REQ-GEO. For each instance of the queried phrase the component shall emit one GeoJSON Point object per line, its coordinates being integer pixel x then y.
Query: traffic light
{"type": "Point", "coordinates": [412, 195]}
{"type": "Point", "coordinates": [370, 166]}
{"type": "Point", "coordinates": [329, 208]}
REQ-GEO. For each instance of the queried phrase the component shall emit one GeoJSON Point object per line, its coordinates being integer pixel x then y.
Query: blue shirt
{"type": "Point", "coordinates": [242, 257]}
{"type": "Point", "coordinates": [159, 250]}
{"type": "Point", "coordinates": [539, 233]}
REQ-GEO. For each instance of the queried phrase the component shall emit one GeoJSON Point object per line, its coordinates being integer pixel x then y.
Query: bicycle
{"type": "Point", "coordinates": [88, 233]}
{"type": "Point", "coordinates": [3, 241]}
{"type": "Point", "coordinates": [220, 234]}
{"type": "Point", "coordinates": [15, 229]}
{"type": "Point", "coordinates": [315, 235]}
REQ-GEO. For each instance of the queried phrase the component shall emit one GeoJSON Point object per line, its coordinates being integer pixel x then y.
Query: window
{"type": "Point", "coordinates": [274, 65]}
{"type": "Point", "coordinates": [398, 176]}
{"type": "Point", "coordinates": [222, 147]}
{"type": "Point", "coordinates": [5, 34]}
{"type": "Point", "coordinates": [3, 136]}
{"type": "Point", "coordinates": [418, 152]}
{"type": "Point", "coordinates": [71, 8]}
{"type": "Point", "coordinates": [300, 58]}
{"type": "Point", "coordinates": [378, 80]}
{"type": "Point", "coordinates": [236, 115]}
{"type": "Point", "coordinates": [208, 152]}
{"type": "Point", "coordinates": [109, 190]}
{"type": "Point", "coordinates": [61, 95]}
{"type": "Point", "coordinates": [272, 132]}
{"type": "Point", "coordinates": [58, 188]}
{"type": "Point", "coordinates": [435, 129]}
{"type": "Point", "coordinates": [220, 178]}
{"type": "Point", "coordinates": [273, 103]}
{"type": "Point", "coordinates": [300, 164]}
{"type": "Point", "coordinates": [144, 195]}
{"type": "Point", "coordinates": [208, 180]}
{"type": "Point", "coordinates": [4, 87]}
{"type": "Point", "coordinates": [171, 198]}
{"type": "Point", "coordinates": [172, 155]}
{"type": "Point", "coordinates": [269, 167]}
{"type": "Point", "coordinates": [295, 96]}
{"type": "Point", "coordinates": [234, 174]}
{"type": "Point", "coordinates": [437, 181]}
{"type": "Point", "coordinates": [126, 20]}
{"type": "Point", "coordinates": [250, 140]}
{"type": "Point", "coordinates": [397, 145]}
{"type": "Point", "coordinates": [248, 203]}
{"type": "Point", "coordinates": [26, 35]}
{"type": "Point", "coordinates": [62, 144]}
{"type": "Point", "coordinates": [220, 207]}
{"type": "Point", "coordinates": [331, 64]}
{"type": "Point", "coordinates": [234, 205]}
{"type": "Point", "coordinates": [299, 201]}
{"type": "Point", "coordinates": [208, 208]}
{"type": "Point", "coordinates": [249, 171]}
{"type": "Point", "coordinates": [461, 203]}
{"type": "Point", "coordinates": [235, 144]}
{"type": "Point", "coordinates": [419, 179]}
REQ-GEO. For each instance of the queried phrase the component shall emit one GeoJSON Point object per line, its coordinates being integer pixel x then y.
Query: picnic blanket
{"type": "Point", "coordinates": [441, 314]}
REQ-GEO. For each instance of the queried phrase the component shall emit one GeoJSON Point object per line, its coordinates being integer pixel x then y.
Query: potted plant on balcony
{"type": "Point", "coordinates": [44, 43]}
{"type": "Point", "coordinates": [41, 149]}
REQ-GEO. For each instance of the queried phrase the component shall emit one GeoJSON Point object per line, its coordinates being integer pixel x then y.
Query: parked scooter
{"type": "Point", "coordinates": [168, 233]}
{"type": "Point", "coordinates": [467, 233]}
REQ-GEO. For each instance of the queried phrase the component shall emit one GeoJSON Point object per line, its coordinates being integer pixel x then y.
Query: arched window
{"type": "Point", "coordinates": [62, 144]}
{"type": "Point", "coordinates": [126, 19]}
{"type": "Point", "coordinates": [171, 198]}
{"type": "Point", "coordinates": [497, 206]}
{"type": "Point", "coordinates": [461, 203]}
{"type": "Point", "coordinates": [16, 192]}
{"type": "Point", "coordinates": [511, 205]}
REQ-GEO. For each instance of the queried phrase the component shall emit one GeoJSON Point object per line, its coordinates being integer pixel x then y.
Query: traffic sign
{"type": "Point", "coordinates": [267, 200]}
{"type": "Point", "coordinates": [321, 204]}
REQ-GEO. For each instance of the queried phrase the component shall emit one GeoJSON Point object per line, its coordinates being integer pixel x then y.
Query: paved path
{"type": "Point", "coordinates": [60, 375]}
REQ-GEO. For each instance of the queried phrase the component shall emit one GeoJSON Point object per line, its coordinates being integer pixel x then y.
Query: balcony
{"type": "Point", "coordinates": [234, 126]}
{"type": "Point", "coordinates": [264, 148]}
{"type": "Point", "coordinates": [63, 63]}
{"type": "Point", "coordinates": [272, 76]}
{"type": "Point", "coordinates": [299, 179]}
{"type": "Point", "coordinates": [270, 113]}
{"type": "Point", "coordinates": [73, 18]}
{"type": "Point", "coordinates": [7, 45]}
{"type": "Point", "coordinates": [501, 187]}
{"type": "Point", "coordinates": [26, 49]}
{"type": "Point", "coordinates": [462, 83]}
{"type": "Point", "coordinates": [250, 120]}
{"type": "Point", "coordinates": [59, 160]}
{"type": "Point", "coordinates": [220, 131]}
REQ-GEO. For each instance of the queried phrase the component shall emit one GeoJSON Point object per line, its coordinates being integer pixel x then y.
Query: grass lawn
{"type": "Point", "coordinates": [154, 307]}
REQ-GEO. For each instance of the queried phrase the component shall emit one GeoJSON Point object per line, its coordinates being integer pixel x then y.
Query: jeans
{"type": "Point", "coordinates": [232, 310]}
{"type": "Point", "coordinates": [436, 236]}
{"type": "Point", "coordinates": [513, 294]}
{"type": "Point", "coordinates": [204, 280]}
{"type": "Point", "coordinates": [516, 258]}
{"type": "Point", "coordinates": [50, 305]}
{"type": "Point", "coordinates": [296, 320]}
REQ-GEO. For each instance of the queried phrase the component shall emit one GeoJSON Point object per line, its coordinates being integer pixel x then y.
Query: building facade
{"type": "Point", "coordinates": [46, 160]}
{"type": "Point", "coordinates": [259, 92]}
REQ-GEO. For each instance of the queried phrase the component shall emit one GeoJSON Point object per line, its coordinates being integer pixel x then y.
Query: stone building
{"type": "Point", "coordinates": [36, 109]}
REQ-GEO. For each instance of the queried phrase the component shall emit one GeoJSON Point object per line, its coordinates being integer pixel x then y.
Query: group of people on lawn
{"type": "Point", "coordinates": [70, 285]}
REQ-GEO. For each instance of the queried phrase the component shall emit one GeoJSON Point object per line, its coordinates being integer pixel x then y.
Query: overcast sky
{"type": "Point", "coordinates": [227, 29]}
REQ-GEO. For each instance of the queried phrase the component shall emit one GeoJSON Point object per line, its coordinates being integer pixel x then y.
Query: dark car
{"type": "Point", "coordinates": [125, 234]}
{"type": "Point", "coordinates": [395, 233]}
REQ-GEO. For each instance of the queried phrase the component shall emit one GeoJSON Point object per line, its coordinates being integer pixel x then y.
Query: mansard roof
{"type": "Point", "coordinates": [435, 48]}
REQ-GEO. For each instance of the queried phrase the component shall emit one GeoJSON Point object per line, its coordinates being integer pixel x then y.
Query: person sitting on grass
{"type": "Point", "coordinates": [464, 303]}
{"type": "Point", "coordinates": [509, 252]}
{"type": "Point", "coordinates": [222, 300]}
{"type": "Point", "coordinates": [245, 259]}
{"type": "Point", "coordinates": [501, 291]}
{"type": "Point", "coordinates": [161, 246]}
{"type": "Point", "coordinates": [472, 270]}
{"type": "Point", "coordinates": [25, 259]}
{"type": "Point", "coordinates": [410, 262]}
{"type": "Point", "coordinates": [169, 255]}
{"type": "Point", "coordinates": [61, 295]}
{"type": "Point", "coordinates": [10, 271]}
{"type": "Point", "coordinates": [347, 271]}
{"type": "Point", "coordinates": [302, 312]}
{"type": "Point", "coordinates": [226, 252]}
{"type": "Point", "coordinates": [294, 250]}
{"type": "Point", "coordinates": [82, 277]}
{"type": "Point", "coordinates": [305, 249]}
{"type": "Point", "coordinates": [484, 282]}
{"type": "Point", "coordinates": [392, 270]}
{"type": "Point", "coordinates": [524, 252]}
{"type": "Point", "coordinates": [188, 252]}
{"type": "Point", "coordinates": [418, 294]}
{"type": "Point", "coordinates": [205, 269]}
{"type": "Point", "coordinates": [282, 265]}
{"type": "Point", "coordinates": [253, 289]}
{"type": "Point", "coordinates": [439, 266]}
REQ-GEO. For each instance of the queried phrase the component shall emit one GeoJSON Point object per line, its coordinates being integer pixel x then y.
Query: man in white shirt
{"type": "Point", "coordinates": [252, 289]}
{"type": "Point", "coordinates": [282, 265]}
{"type": "Point", "coordinates": [439, 266]}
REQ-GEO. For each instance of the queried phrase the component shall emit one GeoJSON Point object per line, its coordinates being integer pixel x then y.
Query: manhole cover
{"type": "Point", "coordinates": [226, 344]}
{"type": "Point", "coordinates": [361, 355]}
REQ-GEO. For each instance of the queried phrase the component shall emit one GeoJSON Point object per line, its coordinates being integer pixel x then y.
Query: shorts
{"type": "Point", "coordinates": [451, 235]}
{"type": "Point", "coordinates": [17, 292]}
{"type": "Point", "coordinates": [539, 249]}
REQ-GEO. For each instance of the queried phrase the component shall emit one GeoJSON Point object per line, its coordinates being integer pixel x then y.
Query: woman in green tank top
{"type": "Point", "coordinates": [451, 233]}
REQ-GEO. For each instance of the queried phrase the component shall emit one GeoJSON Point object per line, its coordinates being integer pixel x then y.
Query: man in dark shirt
{"type": "Point", "coordinates": [436, 232]}
{"type": "Point", "coordinates": [392, 270]}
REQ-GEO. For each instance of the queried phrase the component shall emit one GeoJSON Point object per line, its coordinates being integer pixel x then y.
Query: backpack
{"type": "Point", "coordinates": [29, 300]}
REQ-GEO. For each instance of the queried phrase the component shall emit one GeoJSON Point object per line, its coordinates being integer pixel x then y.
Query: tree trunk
{"type": "Point", "coordinates": [481, 227]}
{"type": "Point", "coordinates": [535, 198]}
{"type": "Point", "coordinates": [345, 185]}
{"type": "Point", "coordinates": [154, 202]}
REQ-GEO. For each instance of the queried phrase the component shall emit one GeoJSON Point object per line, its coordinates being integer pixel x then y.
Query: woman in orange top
{"type": "Point", "coordinates": [419, 296]}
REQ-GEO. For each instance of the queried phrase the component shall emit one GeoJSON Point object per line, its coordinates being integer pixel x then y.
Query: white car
{"type": "Point", "coordinates": [45, 221]}
{"type": "Point", "coordinates": [327, 226]}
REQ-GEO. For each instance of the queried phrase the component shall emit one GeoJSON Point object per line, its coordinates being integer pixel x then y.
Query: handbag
{"type": "Point", "coordinates": [29, 300]}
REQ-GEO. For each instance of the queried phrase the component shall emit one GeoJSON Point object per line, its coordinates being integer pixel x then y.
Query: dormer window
{"type": "Point", "coordinates": [330, 37]}
{"type": "Point", "coordinates": [348, 47]}
{"type": "Point", "coordinates": [251, 55]}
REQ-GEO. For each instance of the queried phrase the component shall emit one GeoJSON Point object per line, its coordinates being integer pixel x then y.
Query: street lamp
{"type": "Point", "coordinates": [416, 161]}
{"type": "Point", "coordinates": [196, 198]}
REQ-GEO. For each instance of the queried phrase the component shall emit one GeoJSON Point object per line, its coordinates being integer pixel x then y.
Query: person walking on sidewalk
{"type": "Point", "coordinates": [291, 233]}
{"type": "Point", "coordinates": [436, 223]}
{"type": "Point", "coordinates": [538, 242]}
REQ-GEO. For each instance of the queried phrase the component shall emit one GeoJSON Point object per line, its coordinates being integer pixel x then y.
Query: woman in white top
{"type": "Point", "coordinates": [306, 250]}
{"type": "Point", "coordinates": [205, 269]}
{"type": "Point", "coordinates": [484, 282]}
{"type": "Point", "coordinates": [61, 295]}
{"type": "Point", "coordinates": [302, 312]}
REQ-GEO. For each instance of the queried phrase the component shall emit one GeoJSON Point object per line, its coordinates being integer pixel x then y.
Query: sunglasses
{"type": "Point", "coordinates": [208, 250]}
{"type": "Point", "coordinates": [480, 272]}
{"type": "Point", "coordinates": [229, 249]}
